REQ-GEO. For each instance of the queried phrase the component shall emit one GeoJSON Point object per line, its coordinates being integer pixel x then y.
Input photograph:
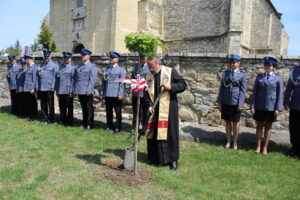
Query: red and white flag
{"type": "Point", "coordinates": [137, 85]}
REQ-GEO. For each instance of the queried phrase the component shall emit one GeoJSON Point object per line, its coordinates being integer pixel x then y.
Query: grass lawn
{"type": "Point", "coordinates": [54, 162]}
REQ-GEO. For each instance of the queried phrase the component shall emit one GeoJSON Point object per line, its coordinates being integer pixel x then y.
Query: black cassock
{"type": "Point", "coordinates": [161, 152]}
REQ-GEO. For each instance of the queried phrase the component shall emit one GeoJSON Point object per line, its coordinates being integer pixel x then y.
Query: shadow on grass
{"type": "Point", "coordinates": [93, 159]}
{"type": "Point", "coordinates": [76, 121]}
{"type": "Point", "coordinates": [246, 141]}
{"type": "Point", "coordinates": [120, 153]}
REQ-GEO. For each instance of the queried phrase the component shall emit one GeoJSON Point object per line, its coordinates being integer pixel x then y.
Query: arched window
{"type": "Point", "coordinates": [79, 3]}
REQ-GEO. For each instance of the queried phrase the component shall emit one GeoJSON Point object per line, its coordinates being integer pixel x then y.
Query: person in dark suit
{"type": "Point", "coordinates": [231, 98]}
{"type": "Point", "coordinates": [12, 71]}
{"type": "Point", "coordinates": [292, 103]}
{"type": "Point", "coordinates": [266, 102]}
{"type": "Point", "coordinates": [84, 83]}
{"type": "Point", "coordinates": [141, 69]}
{"type": "Point", "coordinates": [113, 92]}
{"type": "Point", "coordinates": [163, 127]}
{"type": "Point", "coordinates": [64, 89]}
{"type": "Point", "coordinates": [45, 86]}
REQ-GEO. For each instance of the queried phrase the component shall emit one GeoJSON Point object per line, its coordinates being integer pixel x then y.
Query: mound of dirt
{"type": "Point", "coordinates": [113, 170]}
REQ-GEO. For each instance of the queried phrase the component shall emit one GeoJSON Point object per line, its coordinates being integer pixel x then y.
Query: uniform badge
{"type": "Point", "coordinates": [8, 74]}
{"type": "Point", "coordinates": [41, 71]}
{"type": "Point", "coordinates": [58, 74]}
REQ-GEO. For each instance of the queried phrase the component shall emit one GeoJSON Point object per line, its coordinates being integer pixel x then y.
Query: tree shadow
{"type": "Point", "coordinates": [246, 140]}
{"type": "Point", "coordinates": [93, 159]}
{"type": "Point", "coordinates": [142, 156]}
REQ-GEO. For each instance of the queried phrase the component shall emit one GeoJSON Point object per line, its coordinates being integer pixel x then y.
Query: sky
{"type": "Point", "coordinates": [21, 20]}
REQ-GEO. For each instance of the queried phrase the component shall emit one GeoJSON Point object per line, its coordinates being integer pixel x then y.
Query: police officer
{"type": "Point", "coordinates": [45, 86]}
{"type": "Point", "coordinates": [231, 98]}
{"type": "Point", "coordinates": [29, 87]}
{"type": "Point", "coordinates": [64, 89]}
{"type": "Point", "coordinates": [292, 103]}
{"type": "Point", "coordinates": [20, 86]}
{"type": "Point", "coordinates": [12, 71]}
{"type": "Point", "coordinates": [141, 69]}
{"type": "Point", "coordinates": [266, 102]}
{"type": "Point", "coordinates": [113, 92]}
{"type": "Point", "coordinates": [84, 83]}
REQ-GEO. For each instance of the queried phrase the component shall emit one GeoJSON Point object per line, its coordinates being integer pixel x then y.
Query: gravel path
{"type": "Point", "coordinates": [194, 131]}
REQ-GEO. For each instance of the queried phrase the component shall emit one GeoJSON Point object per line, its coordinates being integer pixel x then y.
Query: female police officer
{"type": "Point", "coordinates": [232, 97]}
{"type": "Point", "coordinates": [266, 102]}
{"type": "Point", "coordinates": [292, 103]}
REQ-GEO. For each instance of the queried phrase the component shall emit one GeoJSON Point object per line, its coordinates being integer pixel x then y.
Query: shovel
{"type": "Point", "coordinates": [129, 160]}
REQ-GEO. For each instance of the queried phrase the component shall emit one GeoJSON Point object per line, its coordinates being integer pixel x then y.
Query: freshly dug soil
{"type": "Point", "coordinates": [113, 170]}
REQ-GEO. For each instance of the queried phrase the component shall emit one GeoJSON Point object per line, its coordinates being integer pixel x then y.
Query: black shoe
{"type": "Point", "coordinates": [173, 165]}
{"type": "Point", "coordinates": [88, 127]}
{"type": "Point", "coordinates": [117, 130]}
{"type": "Point", "coordinates": [292, 152]}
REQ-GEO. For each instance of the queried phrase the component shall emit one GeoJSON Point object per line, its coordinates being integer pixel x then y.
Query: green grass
{"type": "Point", "coordinates": [54, 162]}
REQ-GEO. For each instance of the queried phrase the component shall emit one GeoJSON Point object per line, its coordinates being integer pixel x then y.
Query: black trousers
{"type": "Point", "coordinates": [143, 112]}
{"type": "Point", "coordinates": [66, 108]}
{"type": "Point", "coordinates": [47, 105]}
{"type": "Point", "coordinates": [30, 105]}
{"type": "Point", "coordinates": [295, 129]}
{"type": "Point", "coordinates": [113, 103]}
{"type": "Point", "coordinates": [15, 102]}
{"type": "Point", "coordinates": [22, 105]}
{"type": "Point", "coordinates": [87, 107]}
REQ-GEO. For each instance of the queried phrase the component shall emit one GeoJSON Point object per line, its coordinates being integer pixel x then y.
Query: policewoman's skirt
{"type": "Point", "coordinates": [230, 113]}
{"type": "Point", "coordinates": [264, 116]}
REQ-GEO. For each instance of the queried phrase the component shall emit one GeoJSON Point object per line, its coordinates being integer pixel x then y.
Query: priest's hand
{"type": "Point", "coordinates": [252, 111]}
{"type": "Point", "coordinates": [277, 113]}
{"type": "Point", "coordinates": [32, 91]}
{"type": "Point", "coordinates": [286, 107]}
{"type": "Point", "coordinates": [120, 98]}
{"type": "Point", "coordinates": [87, 93]}
{"type": "Point", "coordinates": [167, 87]}
{"type": "Point", "coordinates": [151, 110]}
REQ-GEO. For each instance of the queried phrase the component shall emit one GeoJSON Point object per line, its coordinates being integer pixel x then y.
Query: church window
{"type": "Point", "coordinates": [79, 3]}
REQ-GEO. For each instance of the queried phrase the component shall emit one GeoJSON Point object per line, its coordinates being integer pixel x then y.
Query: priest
{"type": "Point", "coordinates": [162, 131]}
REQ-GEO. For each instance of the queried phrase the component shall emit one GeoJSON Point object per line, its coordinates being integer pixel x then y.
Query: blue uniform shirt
{"type": "Point", "coordinates": [65, 79]}
{"type": "Point", "coordinates": [46, 76]}
{"type": "Point", "coordinates": [12, 71]}
{"type": "Point", "coordinates": [85, 78]}
{"type": "Point", "coordinates": [109, 87]}
{"type": "Point", "coordinates": [21, 79]}
{"type": "Point", "coordinates": [267, 93]}
{"type": "Point", "coordinates": [292, 92]}
{"type": "Point", "coordinates": [233, 88]}
{"type": "Point", "coordinates": [30, 78]}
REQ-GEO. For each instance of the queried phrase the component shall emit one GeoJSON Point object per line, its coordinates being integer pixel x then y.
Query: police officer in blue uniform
{"type": "Point", "coordinates": [45, 86]}
{"type": "Point", "coordinates": [64, 89]}
{"type": "Point", "coordinates": [141, 69]}
{"type": "Point", "coordinates": [29, 87]}
{"type": "Point", "coordinates": [12, 71]}
{"type": "Point", "coordinates": [84, 83]}
{"type": "Point", "coordinates": [266, 102]}
{"type": "Point", "coordinates": [292, 103]}
{"type": "Point", "coordinates": [231, 98]}
{"type": "Point", "coordinates": [113, 92]}
{"type": "Point", "coordinates": [20, 85]}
